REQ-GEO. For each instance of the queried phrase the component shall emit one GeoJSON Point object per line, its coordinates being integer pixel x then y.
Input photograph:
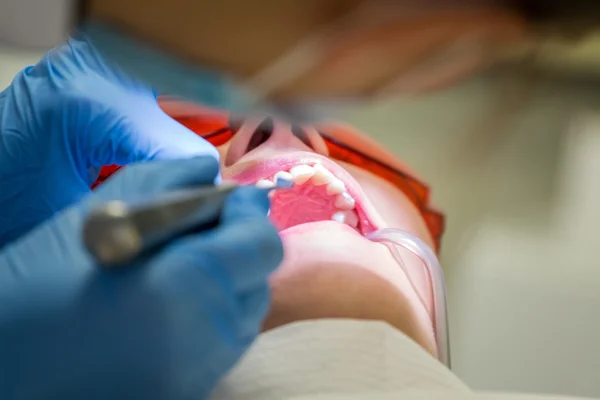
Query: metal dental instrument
{"type": "Point", "coordinates": [117, 232]}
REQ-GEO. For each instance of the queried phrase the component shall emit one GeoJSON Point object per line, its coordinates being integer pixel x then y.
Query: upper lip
{"type": "Point", "coordinates": [251, 171]}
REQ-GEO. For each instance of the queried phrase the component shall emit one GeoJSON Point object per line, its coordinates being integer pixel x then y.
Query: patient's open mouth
{"type": "Point", "coordinates": [319, 194]}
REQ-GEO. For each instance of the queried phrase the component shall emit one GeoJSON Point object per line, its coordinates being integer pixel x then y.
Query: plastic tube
{"type": "Point", "coordinates": [396, 237]}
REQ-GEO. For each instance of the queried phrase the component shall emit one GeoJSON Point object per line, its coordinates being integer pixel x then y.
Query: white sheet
{"type": "Point", "coordinates": [343, 360]}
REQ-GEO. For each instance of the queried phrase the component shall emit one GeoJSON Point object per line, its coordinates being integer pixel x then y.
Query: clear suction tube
{"type": "Point", "coordinates": [398, 237]}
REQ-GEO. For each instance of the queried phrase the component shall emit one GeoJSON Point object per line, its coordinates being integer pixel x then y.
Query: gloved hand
{"type": "Point", "coordinates": [63, 119]}
{"type": "Point", "coordinates": [167, 327]}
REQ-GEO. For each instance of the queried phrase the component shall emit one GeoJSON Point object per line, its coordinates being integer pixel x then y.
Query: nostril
{"type": "Point", "coordinates": [261, 134]}
{"type": "Point", "coordinates": [301, 135]}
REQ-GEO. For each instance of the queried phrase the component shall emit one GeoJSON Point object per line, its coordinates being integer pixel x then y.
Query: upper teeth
{"type": "Point", "coordinates": [344, 201]}
{"type": "Point", "coordinates": [336, 187]}
{"type": "Point", "coordinates": [320, 176]}
{"type": "Point", "coordinates": [265, 184]}
{"type": "Point", "coordinates": [346, 217]}
{"type": "Point", "coordinates": [302, 173]}
{"type": "Point", "coordinates": [283, 175]}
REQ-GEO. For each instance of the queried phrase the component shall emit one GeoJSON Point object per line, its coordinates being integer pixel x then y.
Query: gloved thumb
{"type": "Point", "coordinates": [246, 202]}
{"type": "Point", "coordinates": [242, 251]}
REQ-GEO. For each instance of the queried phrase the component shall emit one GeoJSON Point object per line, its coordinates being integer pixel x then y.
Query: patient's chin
{"type": "Point", "coordinates": [308, 290]}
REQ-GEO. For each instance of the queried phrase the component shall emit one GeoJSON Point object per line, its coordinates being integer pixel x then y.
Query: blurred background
{"type": "Point", "coordinates": [514, 162]}
{"type": "Point", "coordinates": [513, 157]}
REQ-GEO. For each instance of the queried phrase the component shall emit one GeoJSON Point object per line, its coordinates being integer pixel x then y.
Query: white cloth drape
{"type": "Point", "coordinates": [344, 360]}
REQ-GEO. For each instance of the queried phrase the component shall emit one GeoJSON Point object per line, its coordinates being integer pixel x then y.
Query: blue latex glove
{"type": "Point", "coordinates": [63, 119]}
{"type": "Point", "coordinates": [168, 327]}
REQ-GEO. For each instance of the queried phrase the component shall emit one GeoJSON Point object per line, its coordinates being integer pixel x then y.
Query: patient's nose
{"type": "Point", "coordinates": [268, 135]}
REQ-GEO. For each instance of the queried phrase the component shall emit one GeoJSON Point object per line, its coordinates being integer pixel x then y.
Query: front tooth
{"type": "Point", "coordinates": [346, 217]}
{"type": "Point", "coordinates": [286, 176]}
{"type": "Point", "coordinates": [302, 173]}
{"type": "Point", "coordinates": [335, 187]}
{"type": "Point", "coordinates": [322, 176]}
{"type": "Point", "coordinates": [344, 201]}
{"type": "Point", "coordinates": [265, 184]}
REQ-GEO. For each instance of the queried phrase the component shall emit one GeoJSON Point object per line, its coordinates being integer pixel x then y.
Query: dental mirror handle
{"type": "Point", "coordinates": [117, 231]}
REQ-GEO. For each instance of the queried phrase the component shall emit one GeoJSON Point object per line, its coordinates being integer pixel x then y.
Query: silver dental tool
{"type": "Point", "coordinates": [117, 232]}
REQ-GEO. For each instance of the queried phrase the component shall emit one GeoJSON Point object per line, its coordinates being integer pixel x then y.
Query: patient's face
{"type": "Point", "coordinates": [330, 269]}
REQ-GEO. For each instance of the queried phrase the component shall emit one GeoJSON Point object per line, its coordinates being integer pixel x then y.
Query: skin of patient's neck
{"type": "Point", "coordinates": [313, 292]}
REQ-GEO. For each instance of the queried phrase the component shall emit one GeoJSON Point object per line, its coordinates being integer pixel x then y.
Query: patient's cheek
{"type": "Point", "coordinates": [343, 283]}
{"type": "Point", "coordinates": [337, 292]}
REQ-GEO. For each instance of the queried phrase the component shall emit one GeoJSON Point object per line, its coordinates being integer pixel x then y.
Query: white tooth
{"type": "Point", "coordinates": [344, 201]}
{"type": "Point", "coordinates": [346, 217]}
{"type": "Point", "coordinates": [264, 184]}
{"type": "Point", "coordinates": [335, 187]}
{"type": "Point", "coordinates": [301, 173]}
{"type": "Point", "coordinates": [269, 212]}
{"type": "Point", "coordinates": [322, 176]}
{"type": "Point", "coordinates": [286, 176]}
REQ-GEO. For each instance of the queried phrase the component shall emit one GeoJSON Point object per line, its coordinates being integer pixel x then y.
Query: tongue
{"type": "Point", "coordinates": [301, 204]}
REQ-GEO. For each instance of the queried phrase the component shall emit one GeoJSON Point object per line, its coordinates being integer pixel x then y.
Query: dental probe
{"type": "Point", "coordinates": [117, 232]}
